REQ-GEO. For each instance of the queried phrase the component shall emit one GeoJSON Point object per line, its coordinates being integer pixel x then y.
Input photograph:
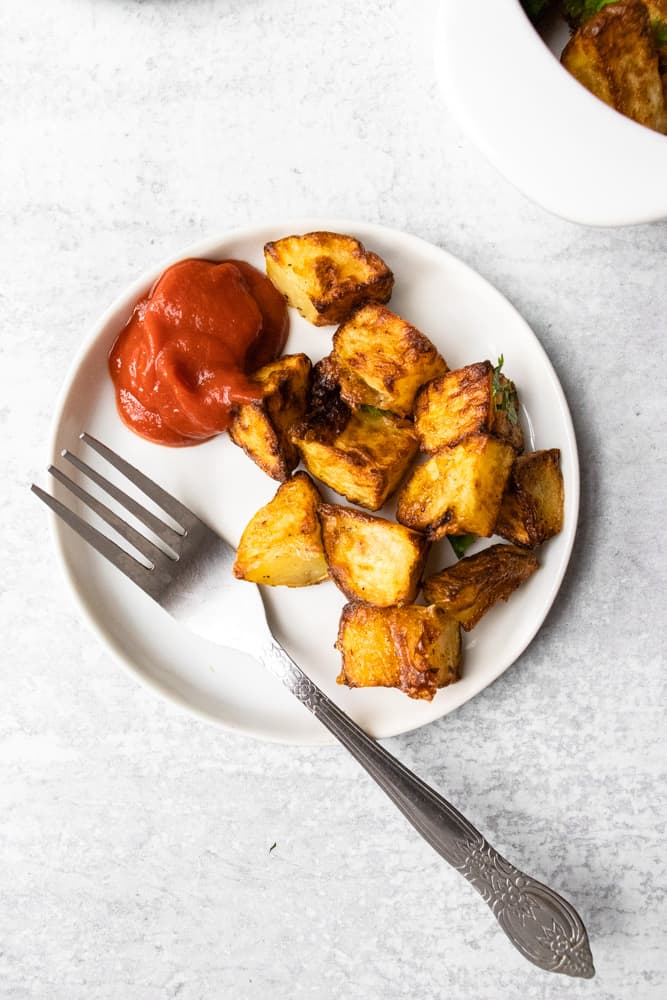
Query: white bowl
{"type": "Point", "coordinates": [543, 130]}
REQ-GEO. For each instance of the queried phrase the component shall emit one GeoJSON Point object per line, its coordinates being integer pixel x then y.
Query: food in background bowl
{"type": "Point", "coordinates": [547, 134]}
{"type": "Point", "coordinates": [618, 51]}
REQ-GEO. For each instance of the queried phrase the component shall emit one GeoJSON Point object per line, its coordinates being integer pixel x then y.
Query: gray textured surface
{"type": "Point", "coordinates": [135, 842]}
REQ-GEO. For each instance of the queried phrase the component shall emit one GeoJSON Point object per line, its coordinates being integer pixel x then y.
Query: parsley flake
{"type": "Point", "coordinates": [461, 543]}
{"type": "Point", "coordinates": [504, 394]}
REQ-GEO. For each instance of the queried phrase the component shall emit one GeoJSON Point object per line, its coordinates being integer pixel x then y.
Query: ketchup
{"type": "Point", "coordinates": [185, 356]}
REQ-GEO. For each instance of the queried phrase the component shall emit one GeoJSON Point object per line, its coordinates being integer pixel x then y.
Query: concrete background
{"type": "Point", "coordinates": [136, 843]}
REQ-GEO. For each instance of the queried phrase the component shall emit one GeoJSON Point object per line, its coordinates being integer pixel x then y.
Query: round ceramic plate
{"type": "Point", "coordinates": [469, 321]}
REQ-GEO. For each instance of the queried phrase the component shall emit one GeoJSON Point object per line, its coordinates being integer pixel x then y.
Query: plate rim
{"type": "Point", "coordinates": [202, 248]}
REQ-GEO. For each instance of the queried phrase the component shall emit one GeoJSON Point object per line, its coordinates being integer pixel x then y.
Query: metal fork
{"type": "Point", "coordinates": [192, 579]}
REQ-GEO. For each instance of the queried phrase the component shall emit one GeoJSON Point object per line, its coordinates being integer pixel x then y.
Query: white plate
{"type": "Point", "coordinates": [469, 321]}
{"type": "Point", "coordinates": [540, 127]}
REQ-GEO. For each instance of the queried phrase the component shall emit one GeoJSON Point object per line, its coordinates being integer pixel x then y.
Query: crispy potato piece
{"type": "Point", "coordinates": [463, 402]}
{"type": "Point", "coordinates": [364, 461]}
{"type": "Point", "coordinates": [372, 559]}
{"type": "Point", "coordinates": [415, 649]}
{"type": "Point", "coordinates": [473, 585]}
{"type": "Point", "coordinates": [326, 414]}
{"type": "Point", "coordinates": [532, 507]}
{"type": "Point", "coordinates": [282, 543]}
{"type": "Point", "coordinates": [261, 427]}
{"type": "Point", "coordinates": [458, 490]}
{"type": "Point", "coordinates": [658, 13]}
{"type": "Point", "coordinates": [506, 423]}
{"type": "Point", "coordinates": [381, 360]}
{"type": "Point", "coordinates": [614, 55]}
{"type": "Point", "coordinates": [327, 275]}
{"type": "Point", "coordinates": [657, 9]}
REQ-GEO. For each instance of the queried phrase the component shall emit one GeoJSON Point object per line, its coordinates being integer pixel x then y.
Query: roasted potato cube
{"type": "Point", "coordinates": [473, 585]}
{"type": "Point", "coordinates": [506, 422]}
{"type": "Point", "coordinates": [327, 275]}
{"type": "Point", "coordinates": [466, 401]}
{"type": "Point", "coordinates": [613, 54]}
{"type": "Point", "coordinates": [365, 461]}
{"type": "Point", "coordinates": [532, 507]}
{"type": "Point", "coordinates": [381, 360]}
{"type": "Point", "coordinates": [458, 490]}
{"type": "Point", "coordinates": [282, 543]}
{"type": "Point", "coordinates": [415, 649]}
{"type": "Point", "coordinates": [657, 9]}
{"type": "Point", "coordinates": [261, 427]}
{"type": "Point", "coordinates": [326, 414]}
{"type": "Point", "coordinates": [658, 14]}
{"type": "Point", "coordinates": [371, 559]}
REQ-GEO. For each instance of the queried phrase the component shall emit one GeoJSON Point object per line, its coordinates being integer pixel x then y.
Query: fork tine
{"type": "Point", "coordinates": [121, 559]}
{"type": "Point", "coordinates": [148, 549]}
{"type": "Point", "coordinates": [180, 513]}
{"type": "Point", "coordinates": [168, 535]}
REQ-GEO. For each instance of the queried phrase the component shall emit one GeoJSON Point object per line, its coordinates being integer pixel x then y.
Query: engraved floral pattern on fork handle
{"type": "Point", "coordinates": [542, 925]}
{"type": "Point", "coordinates": [539, 922]}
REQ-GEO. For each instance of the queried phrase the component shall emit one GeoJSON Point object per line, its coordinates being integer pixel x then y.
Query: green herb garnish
{"type": "Point", "coordinates": [374, 411]}
{"type": "Point", "coordinates": [578, 11]}
{"type": "Point", "coordinates": [535, 8]}
{"type": "Point", "coordinates": [461, 543]}
{"type": "Point", "coordinates": [659, 32]}
{"type": "Point", "coordinates": [504, 394]}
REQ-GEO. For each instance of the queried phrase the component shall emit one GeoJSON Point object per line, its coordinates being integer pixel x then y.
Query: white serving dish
{"type": "Point", "coordinates": [543, 130]}
{"type": "Point", "coordinates": [468, 320]}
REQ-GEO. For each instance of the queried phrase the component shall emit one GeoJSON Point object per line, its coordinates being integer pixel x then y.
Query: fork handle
{"type": "Point", "coordinates": [543, 926]}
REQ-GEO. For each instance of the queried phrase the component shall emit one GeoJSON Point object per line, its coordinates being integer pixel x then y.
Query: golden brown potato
{"type": "Point", "coordinates": [327, 275]}
{"type": "Point", "coordinates": [614, 55]}
{"type": "Point", "coordinates": [282, 543]}
{"type": "Point", "coordinates": [658, 13]}
{"type": "Point", "coordinates": [371, 559]}
{"type": "Point", "coordinates": [261, 427]}
{"type": "Point", "coordinates": [532, 507]}
{"type": "Point", "coordinates": [364, 461]}
{"type": "Point", "coordinates": [415, 649]}
{"type": "Point", "coordinates": [473, 585]}
{"type": "Point", "coordinates": [381, 360]}
{"type": "Point", "coordinates": [657, 9]}
{"type": "Point", "coordinates": [467, 401]}
{"type": "Point", "coordinates": [457, 491]}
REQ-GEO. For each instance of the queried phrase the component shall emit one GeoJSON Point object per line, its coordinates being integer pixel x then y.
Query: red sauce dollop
{"type": "Point", "coordinates": [184, 358]}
